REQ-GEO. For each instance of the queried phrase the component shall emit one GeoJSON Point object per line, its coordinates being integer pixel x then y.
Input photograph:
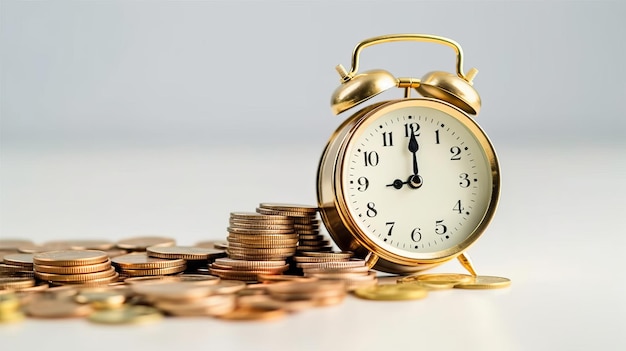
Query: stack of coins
{"type": "Point", "coordinates": [74, 267]}
{"type": "Point", "coordinates": [139, 264]}
{"type": "Point", "coordinates": [228, 268]}
{"type": "Point", "coordinates": [306, 224]}
{"type": "Point", "coordinates": [336, 266]}
{"type": "Point", "coordinates": [195, 257]}
{"type": "Point", "coordinates": [17, 265]}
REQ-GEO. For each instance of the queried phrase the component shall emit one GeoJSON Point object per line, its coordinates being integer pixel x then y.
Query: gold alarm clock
{"type": "Point", "coordinates": [409, 183]}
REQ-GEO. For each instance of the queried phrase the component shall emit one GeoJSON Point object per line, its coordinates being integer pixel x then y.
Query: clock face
{"type": "Point", "coordinates": [417, 179]}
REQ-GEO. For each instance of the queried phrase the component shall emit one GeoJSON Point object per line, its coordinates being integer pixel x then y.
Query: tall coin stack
{"type": "Point", "coordinates": [306, 224]}
{"type": "Point", "coordinates": [257, 244]}
{"type": "Point", "coordinates": [66, 267]}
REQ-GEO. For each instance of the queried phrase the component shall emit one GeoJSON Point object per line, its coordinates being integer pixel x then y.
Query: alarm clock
{"type": "Point", "coordinates": [408, 183]}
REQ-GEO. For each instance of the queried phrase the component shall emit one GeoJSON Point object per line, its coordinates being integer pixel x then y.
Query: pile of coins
{"type": "Point", "coordinates": [74, 267]}
{"type": "Point", "coordinates": [336, 266]}
{"type": "Point", "coordinates": [305, 223]}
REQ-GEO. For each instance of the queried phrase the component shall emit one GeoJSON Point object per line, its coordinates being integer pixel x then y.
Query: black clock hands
{"type": "Point", "coordinates": [415, 180]}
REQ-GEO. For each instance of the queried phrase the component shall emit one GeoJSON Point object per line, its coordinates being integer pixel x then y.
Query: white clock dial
{"type": "Point", "coordinates": [417, 181]}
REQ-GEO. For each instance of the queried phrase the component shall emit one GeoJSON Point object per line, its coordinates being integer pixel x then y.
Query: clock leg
{"type": "Point", "coordinates": [467, 263]}
{"type": "Point", "coordinates": [371, 259]}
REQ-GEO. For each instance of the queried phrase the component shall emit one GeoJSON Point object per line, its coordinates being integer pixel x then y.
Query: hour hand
{"type": "Point", "coordinates": [397, 184]}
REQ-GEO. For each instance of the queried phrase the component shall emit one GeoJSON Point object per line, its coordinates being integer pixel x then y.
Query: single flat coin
{"type": "Point", "coordinates": [184, 252]}
{"type": "Point", "coordinates": [127, 315]}
{"type": "Point", "coordinates": [16, 283]}
{"type": "Point", "coordinates": [391, 292]}
{"type": "Point", "coordinates": [438, 277]}
{"type": "Point", "coordinates": [19, 259]}
{"type": "Point", "coordinates": [254, 314]}
{"type": "Point", "coordinates": [143, 242]}
{"type": "Point", "coordinates": [56, 308]}
{"type": "Point", "coordinates": [485, 282]}
{"type": "Point", "coordinates": [90, 268]}
{"type": "Point", "coordinates": [70, 257]}
{"type": "Point", "coordinates": [141, 260]}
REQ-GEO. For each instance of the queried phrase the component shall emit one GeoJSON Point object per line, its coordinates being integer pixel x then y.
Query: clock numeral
{"type": "Point", "coordinates": [390, 224]}
{"type": "Point", "coordinates": [440, 228]}
{"type": "Point", "coordinates": [465, 182]}
{"type": "Point", "coordinates": [364, 184]}
{"type": "Point", "coordinates": [370, 158]}
{"type": "Point", "coordinates": [411, 128]}
{"type": "Point", "coordinates": [437, 136]}
{"type": "Point", "coordinates": [387, 139]}
{"type": "Point", "coordinates": [371, 211]}
{"type": "Point", "coordinates": [458, 207]}
{"type": "Point", "coordinates": [416, 235]}
{"type": "Point", "coordinates": [456, 153]}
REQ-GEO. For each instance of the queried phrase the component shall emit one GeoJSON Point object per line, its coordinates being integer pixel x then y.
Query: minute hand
{"type": "Point", "coordinates": [413, 147]}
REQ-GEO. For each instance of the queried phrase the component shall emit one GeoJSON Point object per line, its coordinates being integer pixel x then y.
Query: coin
{"type": "Point", "coordinates": [212, 305]}
{"type": "Point", "coordinates": [290, 207]}
{"type": "Point", "coordinates": [84, 277]}
{"type": "Point", "coordinates": [254, 314]}
{"type": "Point", "coordinates": [143, 242]}
{"type": "Point", "coordinates": [485, 282]}
{"type": "Point", "coordinates": [70, 257]}
{"type": "Point", "coordinates": [391, 292]}
{"type": "Point", "coordinates": [141, 260]}
{"type": "Point", "coordinates": [127, 315]}
{"type": "Point", "coordinates": [267, 211]}
{"type": "Point", "coordinates": [15, 283]}
{"type": "Point", "coordinates": [213, 244]}
{"type": "Point", "coordinates": [101, 298]}
{"type": "Point", "coordinates": [453, 278]}
{"type": "Point", "coordinates": [265, 301]}
{"type": "Point", "coordinates": [152, 271]}
{"type": "Point", "coordinates": [56, 308]}
{"type": "Point", "coordinates": [98, 267]}
{"type": "Point", "coordinates": [83, 244]}
{"type": "Point", "coordinates": [184, 252]}
{"type": "Point", "coordinates": [249, 264]}
{"type": "Point", "coordinates": [19, 259]}
{"type": "Point", "coordinates": [258, 216]}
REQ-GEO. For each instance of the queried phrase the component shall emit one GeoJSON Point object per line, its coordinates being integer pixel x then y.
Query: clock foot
{"type": "Point", "coordinates": [371, 259]}
{"type": "Point", "coordinates": [467, 264]}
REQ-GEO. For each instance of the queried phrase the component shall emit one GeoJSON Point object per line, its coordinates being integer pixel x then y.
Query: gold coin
{"type": "Point", "coordinates": [257, 216]}
{"type": "Point", "coordinates": [127, 315]}
{"type": "Point", "coordinates": [143, 261]}
{"type": "Point", "coordinates": [92, 268]}
{"type": "Point", "coordinates": [101, 298]}
{"type": "Point", "coordinates": [191, 253]}
{"type": "Point", "coordinates": [56, 308]}
{"type": "Point", "coordinates": [16, 283]}
{"type": "Point", "coordinates": [8, 302]}
{"type": "Point", "coordinates": [70, 257]}
{"type": "Point", "coordinates": [431, 285]}
{"type": "Point", "coordinates": [76, 277]}
{"type": "Point", "coordinates": [19, 259]}
{"type": "Point", "coordinates": [290, 207]}
{"type": "Point", "coordinates": [391, 292]}
{"type": "Point", "coordinates": [143, 242]}
{"type": "Point", "coordinates": [485, 282]}
{"type": "Point", "coordinates": [152, 271]}
{"type": "Point", "coordinates": [11, 316]}
{"type": "Point", "coordinates": [453, 278]}
{"type": "Point", "coordinates": [254, 314]}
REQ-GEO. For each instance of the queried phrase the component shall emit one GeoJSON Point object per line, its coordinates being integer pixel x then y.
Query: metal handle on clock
{"type": "Point", "coordinates": [407, 37]}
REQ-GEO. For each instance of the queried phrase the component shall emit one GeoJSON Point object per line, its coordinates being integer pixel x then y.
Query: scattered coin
{"type": "Point", "coordinates": [127, 315]}
{"type": "Point", "coordinates": [254, 314]}
{"type": "Point", "coordinates": [485, 282]}
{"type": "Point", "coordinates": [391, 292]}
{"type": "Point", "coordinates": [444, 278]}
{"type": "Point", "coordinates": [56, 308]}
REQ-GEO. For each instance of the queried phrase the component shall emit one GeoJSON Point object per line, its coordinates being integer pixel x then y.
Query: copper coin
{"type": "Point", "coordinates": [290, 207]}
{"type": "Point", "coordinates": [19, 259]}
{"type": "Point", "coordinates": [185, 252]}
{"type": "Point", "coordinates": [293, 214]}
{"type": "Point", "coordinates": [254, 314]}
{"type": "Point", "coordinates": [75, 277]}
{"type": "Point", "coordinates": [15, 283]}
{"type": "Point", "coordinates": [153, 271]}
{"type": "Point", "coordinates": [143, 261]}
{"type": "Point", "coordinates": [254, 231]}
{"type": "Point", "coordinates": [70, 257]}
{"type": "Point", "coordinates": [56, 308]}
{"type": "Point", "coordinates": [92, 268]}
{"type": "Point", "coordinates": [143, 242]}
{"type": "Point", "coordinates": [257, 216]}
{"type": "Point", "coordinates": [249, 264]}
{"type": "Point", "coordinates": [213, 244]}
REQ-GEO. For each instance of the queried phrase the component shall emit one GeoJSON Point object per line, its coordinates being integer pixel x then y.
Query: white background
{"type": "Point", "coordinates": [129, 118]}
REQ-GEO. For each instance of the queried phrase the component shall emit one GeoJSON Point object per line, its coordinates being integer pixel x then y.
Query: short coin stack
{"type": "Point", "coordinates": [74, 267]}
{"type": "Point", "coordinates": [336, 266]}
{"type": "Point", "coordinates": [17, 265]}
{"type": "Point", "coordinates": [139, 264]}
{"type": "Point", "coordinates": [306, 224]}
{"type": "Point", "coordinates": [195, 257]}
{"type": "Point", "coordinates": [257, 244]}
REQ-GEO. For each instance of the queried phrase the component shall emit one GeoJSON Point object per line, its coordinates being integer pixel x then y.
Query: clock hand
{"type": "Point", "coordinates": [397, 184]}
{"type": "Point", "coordinates": [415, 181]}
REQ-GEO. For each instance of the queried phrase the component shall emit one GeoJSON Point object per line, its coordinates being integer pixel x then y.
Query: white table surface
{"type": "Point", "coordinates": [558, 234]}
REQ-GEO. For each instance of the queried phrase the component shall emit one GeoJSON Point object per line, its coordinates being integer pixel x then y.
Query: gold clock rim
{"type": "Point", "coordinates": [358, 240]}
